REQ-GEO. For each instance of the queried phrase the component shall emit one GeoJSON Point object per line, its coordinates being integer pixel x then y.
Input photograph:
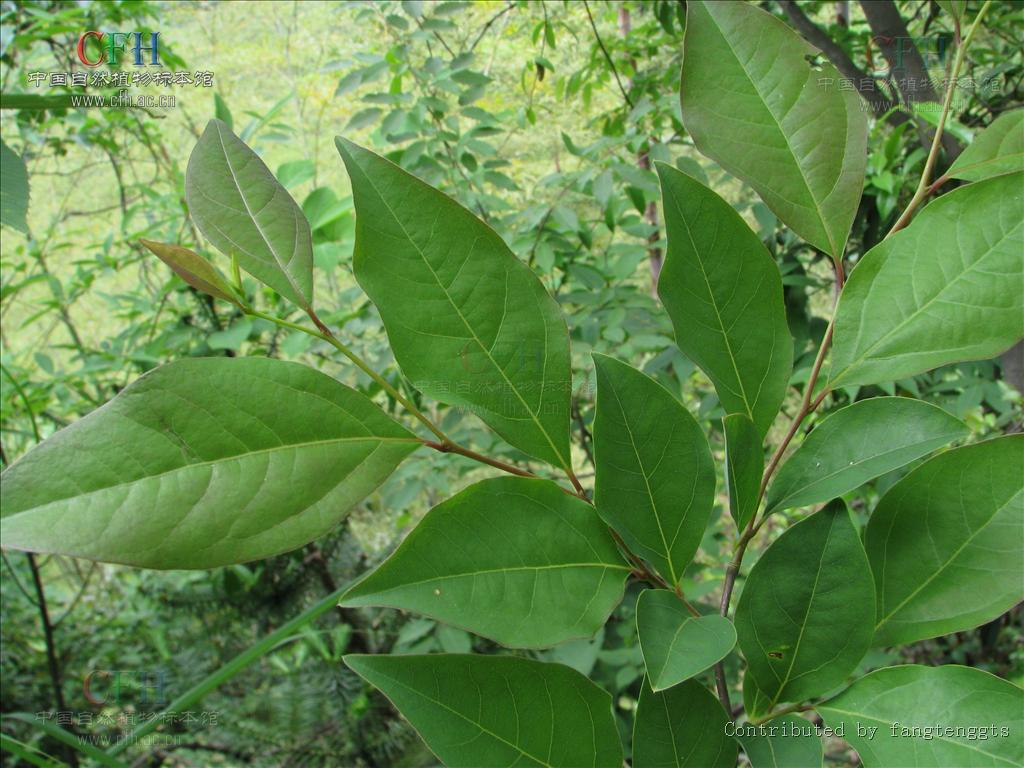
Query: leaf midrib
{"type": "Point", "coordinates": [714, 305]}
{"type": "Point", "coordinates": [782, 132]}
{"type": "Point", "coordinates": [465, 323]}
{"type": "Point", "coordinates": [855, 465]}
{"type": "Point", "coordinates": [211, 462]}
{"type": "Point", "coordinates": [472, 722]}
{"type": "Point", "coordinates": [647, 485]}
{"type": "Point", "coordinates": [675, 638]}
{"type": "Point", "coordinates": [956, 173]}
{"type": "Point", "coordinates": [918, 310]}
{"type": "Point", "coordinates": [942, 568]}
{"type": "Point", "coordinates": [807, 613]}
{"type": "Point", "coordinates": [255, 221]}
{"type": "Point", "coordinates": [889, 722]}
{"type": "Point", "coordinates": [484, 572]}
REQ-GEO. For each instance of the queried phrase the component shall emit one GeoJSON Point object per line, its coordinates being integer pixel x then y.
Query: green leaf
{"type": "Point", "coordinates": [364, 119]}
{"type": "Point", "coordinates": [675, 644]}
{"type": "Point", "coordinates": [296, 172]}
{"type": "Point", "coordinates": [222, 112]}
{"type": "Point", "coordinates": [683, 727]}
{"type": "Point", "coordinates": [193, 269]}
{"type": "Point", "coordinates": [945, 543]}
{"type": "Point", "coordinates": [744, 461]}
{"type": "Point", "coordinates": [857, 444]}
{"type": "Point", "coordinates": [200, 463]}
{"type": "Point", "coordinates": [469, 323]}
{"type": "Point", "coordinates": [997, 150]}
{"type": "Point", "coordinates": [413, 7]}
{"type": "Point", "coordinates": [754, 102]}
{"type": "Point", "coordinates": [784, 742]}
{"type": "Point", "coordinates": [755, 702]}
{"type": "Point", "coordinates": [258, 122]}
{"type": "Point", "coordinates": [231, 337]}
{"type": "Point", "coordinates": [241, 208]}
{"type": "Point", "coordinates": [804, 617]}
{"type": "Point", "coordinates": [349, 82]}
{"type": "Point", "coordinates": [723, 292]}
{"type": "Point", "coordinates": [945, 289]}
{"type": "Point", "coordinates": [655, 482]}
{"type": "Point", "coordinates": [475, 711]}
{"type": "Point", "coordinates": [513, 559]}
{"type": "Point", "coordinates": [14, 192]}
{"type": "Point", "coordinates": [920, 717]}
{"type": "Point", "coordinates": [322, 207]}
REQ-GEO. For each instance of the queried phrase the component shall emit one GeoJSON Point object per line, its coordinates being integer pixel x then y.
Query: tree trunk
{"type": "Point", "coordinates": [906, 65]}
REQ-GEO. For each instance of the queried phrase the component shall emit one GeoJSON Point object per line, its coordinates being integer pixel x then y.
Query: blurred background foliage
{"type": "Point", "coordinates": [542, 117]}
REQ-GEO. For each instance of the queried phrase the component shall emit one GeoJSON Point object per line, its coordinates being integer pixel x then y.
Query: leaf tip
{"type": "Point", "coordinates": [345, 146]}
{"type": "Point", "coordinates": [357, 662]}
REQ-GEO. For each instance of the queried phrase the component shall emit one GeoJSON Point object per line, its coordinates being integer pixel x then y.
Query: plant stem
{"type": "Point", "coordinates": [693, 611]}
{"type": "Point", "coordinates": [324, 334]}
{"type": "Point", "coordinates": [67, 738]}
{"type": "Point", "coordinates": [451, 447]}
{"type": "Point", "coordinates": [639, 567]}
{"type": "Point", "coordinates": [580, 490]}
{"type": "Point", "coordinates": [810, 402]}
{"type": "Point", "coordinates": [25, 400]}
{"type": "Point", "coordinates": [361, 364]}
{"type": "Point", "coordinates": [51, 647]}
{"type": "Point", "coordinates": [807, 405]}
{"type": "Point", "coordinates": [925, 187]}
{"type": "Point", "coordinates": [445, 444]}
{"type": "Point", "coordinates": [786, 710]}
{"type": "Point", "coordinates": [220, 676]}
{"type": "Point", "coordinates": [731, 571]}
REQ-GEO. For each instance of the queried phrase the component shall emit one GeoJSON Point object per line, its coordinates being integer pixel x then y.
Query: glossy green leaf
{"type": "Point", "coordinates": [683, 727]}
{"type": "Point", "coordinates": [469, 323]}
{"type": "Point", "coordinates": [201, 463]}
{"type": "Point", "coordinates": [784, 742]}
{"type": "Point", "coordinates": [723, 292]}
{"type": "Point", "coordinates": [945, 289]}
{"type": "Point", "coordinates": [193, 269]}
{"type": "Point", "coordinates": [997, 150]}
{"type": "Point", "coordinates": [14, 192]}
{"type": "Point", "coordinates": [931, 717]}
{"type": "Point", "coordinates": [753, 102]}
{"type": "Point", "coordinates": [744, 464]}
{"type": "Point", "coordinates": [677, 645]}
{"type": "Point", "coordinates": [513, 559]}
{"type": "Point", "coordinates": [494, 711]}
{"type": "Point", "coordinates": [945, 543]}
{"type": "Point", "coordinates": [858, 443]}
{"type": "Point", "coordinates": [804, 617]}
{"type": "Point", "coordinates": [655, 482]}
{"type": "Point", "coordinates": [241, 208]}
